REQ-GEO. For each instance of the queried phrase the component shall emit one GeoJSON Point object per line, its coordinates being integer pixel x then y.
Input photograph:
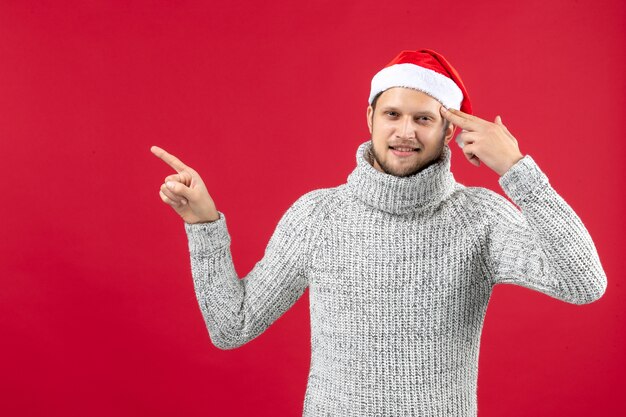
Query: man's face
{"type": "Point", "coordinates": [406, 118]}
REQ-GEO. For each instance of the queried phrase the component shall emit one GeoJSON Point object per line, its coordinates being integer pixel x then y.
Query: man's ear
{"type": "Point", "coordinates": [449, 133]}
{"type": "Point", "coordinates": [370, 114]}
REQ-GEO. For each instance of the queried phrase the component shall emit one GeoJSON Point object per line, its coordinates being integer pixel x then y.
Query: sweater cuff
{"type": "Point", "coordinates": [522, 179]}
{"type": "Point", "coordinates": [206, 238]}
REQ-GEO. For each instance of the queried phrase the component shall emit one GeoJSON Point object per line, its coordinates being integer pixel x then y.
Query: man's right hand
{"type": "Point", "coordinates": [185, 192]}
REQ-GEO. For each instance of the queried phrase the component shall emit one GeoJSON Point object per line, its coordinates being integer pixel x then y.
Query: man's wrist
{"type": "Point", "coordinates": [514, 160]}
{"type": "Point", "coordinates": [211, 219]}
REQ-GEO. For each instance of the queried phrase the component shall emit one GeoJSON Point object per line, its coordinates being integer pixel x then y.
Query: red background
{"type": "Point", "coordinates": [267, 101]}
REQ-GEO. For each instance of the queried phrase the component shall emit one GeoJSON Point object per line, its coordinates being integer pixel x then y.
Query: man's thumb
{"type": "Point", "coordinates": [499, 123]}
{"type": "Point", "coordinates": [178, 188]}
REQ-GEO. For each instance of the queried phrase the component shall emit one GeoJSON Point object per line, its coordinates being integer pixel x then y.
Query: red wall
{"type": "Point", "coordinates": [267, 101]}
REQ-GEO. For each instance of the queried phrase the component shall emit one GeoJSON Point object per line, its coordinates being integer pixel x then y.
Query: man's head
{"type": "Point", "coordinates": [405, 101]}
{"type": "Point", "coordinates": [403, 118]}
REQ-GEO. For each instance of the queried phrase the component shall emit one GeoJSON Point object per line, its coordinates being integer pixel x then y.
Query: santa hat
{"type": "Point", "coordinates": [426, 71]}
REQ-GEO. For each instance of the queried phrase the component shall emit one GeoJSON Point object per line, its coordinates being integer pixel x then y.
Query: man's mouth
{"type": "Point", "coordinates": [403, 149]}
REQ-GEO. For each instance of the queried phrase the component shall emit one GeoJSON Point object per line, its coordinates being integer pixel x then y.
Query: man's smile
{"type": "Point", "coordinates": [403, 152]}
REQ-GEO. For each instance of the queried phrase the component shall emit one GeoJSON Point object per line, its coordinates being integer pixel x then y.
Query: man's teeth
{"type": "Point", "coordinates": [403, 149]}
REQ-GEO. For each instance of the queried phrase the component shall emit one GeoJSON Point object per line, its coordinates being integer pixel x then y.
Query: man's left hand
{"type": "Point", "coordinates": [491, 143]}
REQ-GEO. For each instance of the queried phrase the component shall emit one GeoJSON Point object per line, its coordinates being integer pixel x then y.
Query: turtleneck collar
{"type": "Point", "coordinates": [400, 195]}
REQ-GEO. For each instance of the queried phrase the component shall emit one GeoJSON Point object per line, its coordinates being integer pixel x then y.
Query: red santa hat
{"type": "Point", "coordinates": [427, 71]}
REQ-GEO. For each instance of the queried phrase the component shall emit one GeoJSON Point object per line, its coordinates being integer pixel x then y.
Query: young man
{"type": "Point", "coordinates": [400, 261]}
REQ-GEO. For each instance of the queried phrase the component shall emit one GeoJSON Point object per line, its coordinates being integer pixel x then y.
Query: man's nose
{"type": "Point", "coordinates": [406, 129]}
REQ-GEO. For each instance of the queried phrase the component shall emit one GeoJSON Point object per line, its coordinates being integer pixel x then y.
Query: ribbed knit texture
{"type": "Point", "coordinates": [399, 271]}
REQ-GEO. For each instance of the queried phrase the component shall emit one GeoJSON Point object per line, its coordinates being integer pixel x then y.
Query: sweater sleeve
{"type": "Point", "coordinates": [237, 310]}
{"type": "Point", "coordinates": [545, 246]}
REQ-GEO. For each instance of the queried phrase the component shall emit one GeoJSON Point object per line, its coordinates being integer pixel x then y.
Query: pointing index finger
{"type": "Point", "coordinates": [458, 118]}
{"type": "Point", "coordinates": [168, 158]}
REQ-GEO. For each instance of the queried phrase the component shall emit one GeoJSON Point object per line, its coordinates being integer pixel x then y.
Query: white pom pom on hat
{"type": "Point", "coordinates": [427, 71]}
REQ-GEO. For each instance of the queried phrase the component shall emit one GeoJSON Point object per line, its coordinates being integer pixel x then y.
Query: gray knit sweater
{"type": "Point", "coordinates": [399, 271]}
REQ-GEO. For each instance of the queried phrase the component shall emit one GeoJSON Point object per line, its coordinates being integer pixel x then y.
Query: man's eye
{"type": "Point", "coordinates": [423, 119]}
{"type": "Point", "coordinates": [392, 113]}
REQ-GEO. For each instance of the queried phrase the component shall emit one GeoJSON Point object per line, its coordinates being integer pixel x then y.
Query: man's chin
{"type": "Point", "coordinates": [407, 173]}
{"type": "Point", "coordinates": [399, 172]}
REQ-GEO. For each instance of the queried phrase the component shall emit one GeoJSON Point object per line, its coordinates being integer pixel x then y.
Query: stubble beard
{"type": "Point", "coordinates": [411, 170]}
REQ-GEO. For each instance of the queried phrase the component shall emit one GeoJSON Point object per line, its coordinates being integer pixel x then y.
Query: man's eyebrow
{"type": "Point", "coordinates": [426, 113]}
{"type": "Point", "coordinates": [419, 113]}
